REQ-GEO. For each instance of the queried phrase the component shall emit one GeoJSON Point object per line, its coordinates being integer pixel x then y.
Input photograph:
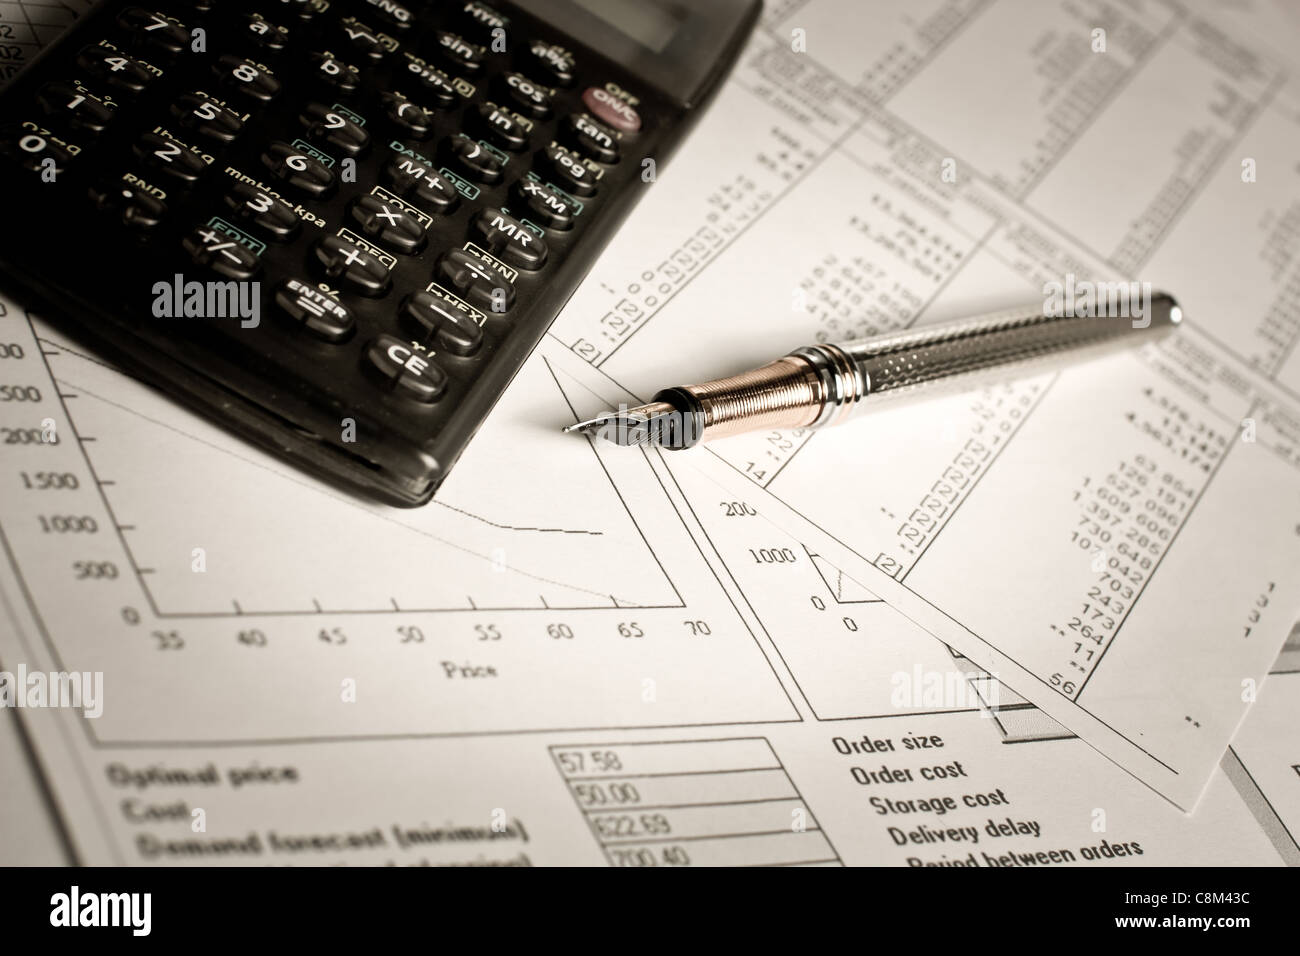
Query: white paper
{"type": "Point", "coordinates": [1264, 759]}
{"type": "Point", "coordinates": [26, 26]}
{"type": "Point", "coordinates": [715, 723]}
{"type": "Point", "coordinates": [1117, 541]}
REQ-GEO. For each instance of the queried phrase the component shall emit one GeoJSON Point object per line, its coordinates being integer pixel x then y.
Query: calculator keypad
{"type": "Point", "coordinates": [393, 226]}
{"type": "Point", "coordinates": [404, 180]}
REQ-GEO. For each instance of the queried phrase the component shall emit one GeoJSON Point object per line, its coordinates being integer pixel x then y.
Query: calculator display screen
{"type": "Point", "coordinates": [653, 25]}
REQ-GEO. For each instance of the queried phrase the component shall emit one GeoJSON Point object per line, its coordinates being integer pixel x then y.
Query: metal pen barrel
{"type": "Point", "coordinates": [999, 345]}
{"type": "Point", "coordinates": [825, 384]}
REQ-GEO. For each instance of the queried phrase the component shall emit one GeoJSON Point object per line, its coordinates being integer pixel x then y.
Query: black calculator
{"type": "Point", "coordinates": [339, 227]}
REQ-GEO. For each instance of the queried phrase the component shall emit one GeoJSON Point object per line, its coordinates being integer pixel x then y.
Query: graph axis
{"type": "Point", "coordinates": [50, 348]}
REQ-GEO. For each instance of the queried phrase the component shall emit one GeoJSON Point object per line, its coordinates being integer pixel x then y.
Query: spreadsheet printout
{"type": "Point", "coordinates": [1118, 541]}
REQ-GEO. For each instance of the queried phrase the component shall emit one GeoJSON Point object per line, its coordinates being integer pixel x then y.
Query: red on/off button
{"type": "Point", "coordinates": [611, 110]}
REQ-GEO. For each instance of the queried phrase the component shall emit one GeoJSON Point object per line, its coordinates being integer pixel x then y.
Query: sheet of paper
{"type": "Point", "coordinates": [563, 664]}
{"type": "Point", "coordinates": [578, 654]}
{"type": "Point", "coordinates": [26, 26]}
{"type": "Point", "coordinates": [1118, 542]}
{"type": "Point", "coordinates": [1264, 762]}
{"type": "Point", "coordinates": [470, 694]}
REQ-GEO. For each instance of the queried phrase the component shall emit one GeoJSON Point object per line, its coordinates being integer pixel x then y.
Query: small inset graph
{"type": "Point", "coordinates": [1017, 719]}
{"type": "Point", "coordinates": [843, 588]}
{"type": "Point", "coordinates": [849, 653]}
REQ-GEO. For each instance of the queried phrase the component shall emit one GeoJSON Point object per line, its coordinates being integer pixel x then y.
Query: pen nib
{"type": "Point", "coordinates": [651, 424]}
{"type": "Point", "coordinates": [592, 426]}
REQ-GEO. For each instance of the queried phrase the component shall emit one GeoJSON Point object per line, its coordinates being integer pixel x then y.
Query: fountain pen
{"type": "Point", "coordinates": [826, 384]}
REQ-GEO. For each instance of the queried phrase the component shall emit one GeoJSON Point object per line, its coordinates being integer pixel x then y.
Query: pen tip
{"type": "Point", "coordinates": [612, 426]}
{"type": "Point", "coordinates": [652, 424]}
{"type": "Point", "coordinates": [590, 425]}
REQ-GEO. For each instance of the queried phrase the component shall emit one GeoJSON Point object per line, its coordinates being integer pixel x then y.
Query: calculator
{"type": "Point", "coordinates": [339, 227]}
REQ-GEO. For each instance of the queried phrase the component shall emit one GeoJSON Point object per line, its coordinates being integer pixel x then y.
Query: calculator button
{"type": "Point", "coordinates": [336, 74]}
{"type": "Point", "coordinates": [411, 374]}
{"type": "Point", "coordinates": [207, 118]}
{"type": "Point", "coordinates": [592, 139]}
{"type": "Point", "coordinates": [298, 169]}
{"type": "Point", "coordinates": [510, 240]}
{"type": "Point", "coordinates": [171, 157]}
{"type": "Point", "coordinates": [131, 204]}
{"type": "Point", "coordinates": [502, 127]}
{"type": "Point", "coordinates": [247, 77]}
{"type": "Point", "coordinates": [476, 282]}
{"type": "Point", "coordinates": [264, 34]}
{"type": "Point", "coordinates": [393, 14]}
{"type": "Point", "coordinates": [567, 166]}
{"type": "Point", "coordinates": [314, 310]}
{"type": "Point", "coordinates": [532, 99]}
{"type": "Point", "coordinates": [461, 55]}
{"type": "Point", "coordinates": [263, 210]}
{"type": "Point", "coordinates": [75, 107]}
{"type": "Point", "coordinates": [545, 204]}
{"type": "Point", "coordinates": [31, 150]}
{"type": "Point", "coordinates": [550, 62]}
{"type": "Point", "coordinates": [434, 85]}
{"type": "Point", "coordinates": [477, 162]}
{"type": "Point", "coordinates": [364, 40]}
{"type": "Point", "coordinates": [434, 190]}
{"type": "Point", "coordinates": [611, 110]}
{"type": "Point", "coordinates": [482, 19]}
{"type": "Point", "coordinates": [114, 68]}
{"type": "Point", "coordinates": [448, 324]}
{"type": "Point", "coordinates": [388, 223]}
{"type": "Point", "coordinates": [352, 266]}
{"type": "Point", "coordinates": [154, 29]}
{"type": "Point", "coordinates": [407, 116]}
{"type": "Point", "coordinates": [334, 128]}
{"type": "Point", "coordinates": [221, 254]}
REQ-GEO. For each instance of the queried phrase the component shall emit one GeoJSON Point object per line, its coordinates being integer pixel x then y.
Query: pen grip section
{"type": "Point", "coordinates": [787, 393]}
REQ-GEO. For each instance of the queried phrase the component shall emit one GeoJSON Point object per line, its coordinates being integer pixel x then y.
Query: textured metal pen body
{"type": "Point", "coordinates": [999, 345]}
{"type": "Point", "coordinates": [824, 384]}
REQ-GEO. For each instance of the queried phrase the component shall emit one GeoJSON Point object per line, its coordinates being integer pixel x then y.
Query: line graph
{"type": "Point", "coordinates": [202, 577]}
{"type": "Point", "coordinates": [843, 588]}
{"type": "Point", "coordinates": [244, 510]}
